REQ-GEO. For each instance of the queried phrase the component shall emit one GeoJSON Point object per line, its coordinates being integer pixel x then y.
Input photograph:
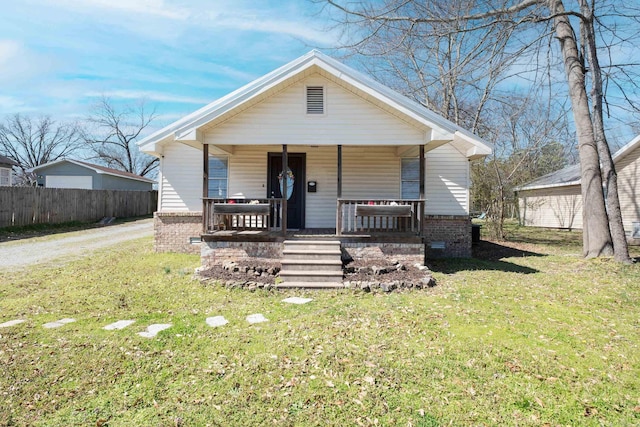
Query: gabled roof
{"type": "Point", "coordinates": [441, 127]}
{"type": "Point", "coordinates": [96, 168]}
{"type": "Point", "coordinates": [571, 175]}
{"type": "Point", "coordinates": [7, 161]}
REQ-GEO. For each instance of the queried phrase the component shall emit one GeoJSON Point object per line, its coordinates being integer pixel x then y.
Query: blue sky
{"type": "Point", "coordinates": [57, 57]}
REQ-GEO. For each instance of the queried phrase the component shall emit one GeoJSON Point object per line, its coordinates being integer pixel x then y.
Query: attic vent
{"type": "Point", "coordinates": [315, 100]}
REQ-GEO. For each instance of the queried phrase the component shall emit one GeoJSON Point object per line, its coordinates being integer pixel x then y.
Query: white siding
{"type": "Point", "coordinates": [248, 175]}
{"type": "Point", "coordinates": [322, 167]}
{"type": "Point", "coordinates": [447, 182]}
{"type": "Point", "coordinates": [551, 207]}
{"type": "Point", "coordinates": [629, 188]}
{"type": "Point", "coordinates": [368, 134]}
{"type": "Point", "coordinates": [69, 181]}
{"type": "Point", "coordinates": [562, 207]}
{"type": "Point", "coordinates": [5, 177]}
{"type": "Point", "coordinates": [348, 120]}
{"type": "Point", "coordinates": [181, 179]}
{"type": "Point", "coordinates": [370, 172]}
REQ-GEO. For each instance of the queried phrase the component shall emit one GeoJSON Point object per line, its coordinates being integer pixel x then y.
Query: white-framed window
{"type": "Point", "coordinates": [410, 178]}
{"type": "Point", "coordinates": [315, 100]}
{"type": "Point", "coordinates": [218, 176]}
{"type": "Point", "coordinates": [5, 177]}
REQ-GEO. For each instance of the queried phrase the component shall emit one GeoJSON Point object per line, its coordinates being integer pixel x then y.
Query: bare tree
{"type": "Point", "coordinates": [578, 32]}
{"type": "Point", "coordinates": [526, 141]}
{"type": "Point", "coordinates": [33, 142]}
{"type": "Point", "coordinates": [113, 134]}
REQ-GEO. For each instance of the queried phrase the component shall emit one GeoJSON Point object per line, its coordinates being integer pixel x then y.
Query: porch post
{"type": "Point", "coordinates": [285, 162]}
{"type": "Point", "coordinates": [422, 172]}
{"type": "Point", "coordinates": [339, 193]}
{"type": "Point", "coordinates": [339, 171]}
{"type": "Point", "coordinates": [205, 186]}
{"type": "Point", "coordinates": [422, 202]}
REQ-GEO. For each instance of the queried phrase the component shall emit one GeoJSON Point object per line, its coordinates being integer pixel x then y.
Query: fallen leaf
{"type": "Point", "coordinates": [588, 411]}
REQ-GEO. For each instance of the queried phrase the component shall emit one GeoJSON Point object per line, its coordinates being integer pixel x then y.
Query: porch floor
{"type": "Point", "coordinates": [310, 233]}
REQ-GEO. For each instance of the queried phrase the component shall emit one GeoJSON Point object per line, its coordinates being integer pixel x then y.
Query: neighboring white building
{"type": "Point", "coordinates": [348, 140]}
{"type": "Point", "coordinates": [555, 200]}
{"type": "Point", "coordinates": [6, 174]}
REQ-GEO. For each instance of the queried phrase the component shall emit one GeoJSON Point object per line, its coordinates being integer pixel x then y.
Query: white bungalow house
{"type": "Point", "coordinates": [363, 164]}
{"type": "Point", "coordinates": [6, 171]}
{"type": "Point", "coordinates": [555, 200]}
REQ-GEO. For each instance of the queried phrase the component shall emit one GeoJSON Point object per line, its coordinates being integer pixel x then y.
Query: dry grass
{"type": "Point", "coordinates": [528, 334]}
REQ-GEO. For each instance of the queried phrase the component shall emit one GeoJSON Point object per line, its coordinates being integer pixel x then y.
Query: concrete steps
{"type": "Point", "coordinates": [311, 264]}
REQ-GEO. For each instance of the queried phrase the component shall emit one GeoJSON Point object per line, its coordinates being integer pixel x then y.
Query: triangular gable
{"type": "Point", "coordinates": [188, 128]}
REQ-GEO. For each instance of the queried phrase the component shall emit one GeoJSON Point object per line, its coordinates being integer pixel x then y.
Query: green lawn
{"type": "Point", "coordinates": [533, 337]}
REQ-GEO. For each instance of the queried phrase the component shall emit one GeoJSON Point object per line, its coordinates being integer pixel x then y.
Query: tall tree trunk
{"type": "Point", "coordinates": [596, 235]}
{"type": "Point", "coordinates": [616, 227]}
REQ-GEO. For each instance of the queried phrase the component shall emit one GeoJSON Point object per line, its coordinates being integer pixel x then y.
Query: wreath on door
{"type": "Point", "coordinates": [290, 181]}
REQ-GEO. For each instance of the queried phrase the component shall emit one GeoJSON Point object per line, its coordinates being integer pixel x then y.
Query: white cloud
{"type": "Point", "coordinates": [146, 7]}
{"type": "Point", "coordinates": [208, 16]}
{"type": "Point", "coordinates": [148, 95]}
{"type": "Point", "coordinates": [257, 21]}
{"type": "Point", "coordinates": [9, 49]}
{"type": "Point", "coordinates": [11, 104]}
{"type": "Point", "coordinates": [19, 64]}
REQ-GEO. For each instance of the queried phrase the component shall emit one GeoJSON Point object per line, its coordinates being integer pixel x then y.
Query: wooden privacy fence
{"type": "Point", "coordinates": [38, 205]}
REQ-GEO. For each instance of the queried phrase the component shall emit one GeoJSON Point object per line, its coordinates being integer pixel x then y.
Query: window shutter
{"type": "Point", "coordinates": [315, 100]}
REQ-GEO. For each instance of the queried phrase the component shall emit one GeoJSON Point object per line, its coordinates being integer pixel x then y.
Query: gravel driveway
{"type": "Point", "coordinates": [66, 247]}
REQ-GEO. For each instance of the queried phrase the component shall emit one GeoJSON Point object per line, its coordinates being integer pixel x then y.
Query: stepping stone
{"type": "Point", "coordinates": [297, 300]}
{"type": "Point", "coordinates": [11, 323]}
{"type": "Point", "coordinates": [120, 324]}
{"type": "Point", "coordinates": [256, 318]}
{"type": "Point", "coordinates": [152, 330]}
{"type": "Point", "coordinates": [216, 321]}
{"type": "Point", "coordinates": [58, 323]}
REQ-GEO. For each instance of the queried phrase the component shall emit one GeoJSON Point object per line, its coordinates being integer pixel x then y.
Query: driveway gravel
{"type": "Point", "coordinates": [65, 247]}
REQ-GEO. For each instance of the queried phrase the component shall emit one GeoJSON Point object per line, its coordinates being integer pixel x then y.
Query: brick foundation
{"type": "Point", "coordinates": [217, 252]}
{"type": "Point", "coordinates": [447, 236]}
{"type": "Point", "coordinates": [172, 231]}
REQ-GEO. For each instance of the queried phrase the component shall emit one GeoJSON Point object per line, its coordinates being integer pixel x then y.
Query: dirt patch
{"type": "Point", "coordinates": [383, 269]}
{"type": "Point", "coordinates": [366, 274]}
{"type": "Point", "coordinates": [243, 272]}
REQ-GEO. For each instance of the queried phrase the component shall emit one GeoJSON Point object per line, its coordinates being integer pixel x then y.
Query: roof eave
{"type": "Point", "coordinates": [542, 187]}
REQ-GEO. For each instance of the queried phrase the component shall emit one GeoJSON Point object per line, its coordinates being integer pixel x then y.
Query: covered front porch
{"type": "Point", "coordinates": [237, 217]}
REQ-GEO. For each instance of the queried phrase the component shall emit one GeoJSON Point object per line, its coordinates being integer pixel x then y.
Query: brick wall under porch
{"type": "Point", "coordinates": [172, 231]}
{"type": "Point", "coordinates": [447, 236]}
{"type": "Point", "coordinates": [444, 236]}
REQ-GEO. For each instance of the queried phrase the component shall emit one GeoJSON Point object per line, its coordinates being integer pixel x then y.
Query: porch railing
{"type": "Point", "coordinates": [380, 216]}
{"type": "Point", "coordinates": [242, 214]}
